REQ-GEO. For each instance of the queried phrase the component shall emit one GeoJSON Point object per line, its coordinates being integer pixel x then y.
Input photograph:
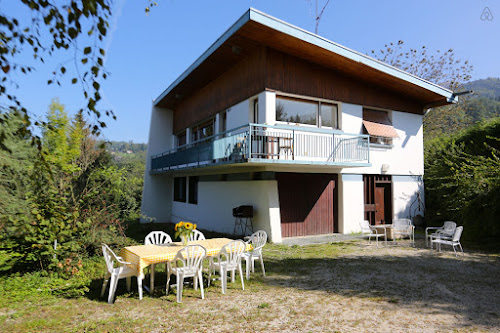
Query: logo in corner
{"type": "Point", "coordinates": [487, 15]}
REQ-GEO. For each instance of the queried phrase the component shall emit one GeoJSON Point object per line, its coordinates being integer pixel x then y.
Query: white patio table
{"type": "Point", "coordinates": [385, 227]}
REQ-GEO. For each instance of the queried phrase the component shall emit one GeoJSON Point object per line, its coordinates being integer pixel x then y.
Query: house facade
{"type": "Point", "coordinates": [315, 136]}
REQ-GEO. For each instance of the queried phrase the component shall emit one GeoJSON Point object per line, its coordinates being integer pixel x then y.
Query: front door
{"type": "Point", "coordinates": [378, 199]}
{"type": "Point", "coordinates": [379, 205]}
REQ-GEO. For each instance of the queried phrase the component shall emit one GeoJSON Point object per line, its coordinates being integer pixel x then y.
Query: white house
{"type": "Point", "coordinates": [313, 135]}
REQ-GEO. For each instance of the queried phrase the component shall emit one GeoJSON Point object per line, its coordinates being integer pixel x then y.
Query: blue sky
{"type": "Point", "coordinates": [145, 53]}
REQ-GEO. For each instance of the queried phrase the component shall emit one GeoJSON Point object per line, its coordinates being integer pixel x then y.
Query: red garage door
{"type": "Point", "coordinates": [308, 204]}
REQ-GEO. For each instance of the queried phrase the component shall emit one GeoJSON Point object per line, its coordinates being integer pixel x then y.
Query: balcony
{"type": "Point", "coordinates": [263, 144]}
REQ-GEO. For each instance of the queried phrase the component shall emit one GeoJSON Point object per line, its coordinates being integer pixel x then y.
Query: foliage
{"type": "Point", "coordinates": [462, 179]}
{"type": "Point", "coordinates": [40, 285]}
{"type": "Point", "coordinates": [75, 199]}
{"type": "Point", "coordinates": [485, 103]}
{"type": "Point", "coordinates": [489, 88]}
{"type": "Point", "coordinates": [14, 162]}
{"type": "Point", "coordinates": [74, 26]}
{"type": "Point", "coordinates": [440, 67]}
{"type": "Point", "coordinates": [482, 108]}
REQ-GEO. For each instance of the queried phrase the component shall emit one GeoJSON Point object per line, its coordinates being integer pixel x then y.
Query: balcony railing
{"type": "Point", "coordinates": [257, 143]}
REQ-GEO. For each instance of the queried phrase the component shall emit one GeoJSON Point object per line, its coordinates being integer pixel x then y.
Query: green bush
{"type": "Point", "coordinates": [462, 180]}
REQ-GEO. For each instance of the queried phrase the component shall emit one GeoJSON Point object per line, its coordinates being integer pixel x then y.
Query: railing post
{"type": "Point", "coordinates": [250, 136]}
{"type": "Point", "coordinates": [293, 145]}
{"type": "Point", "coordinates": [334, 150]}
{"type": "Point", "coordinates": [368, 147]}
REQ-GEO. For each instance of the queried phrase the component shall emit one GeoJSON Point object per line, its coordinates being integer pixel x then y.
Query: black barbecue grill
{"type": "Point", "coordinates": [243, 224]}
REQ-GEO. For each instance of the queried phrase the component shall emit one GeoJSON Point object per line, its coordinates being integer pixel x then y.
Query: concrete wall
{"type": "Point", "coordinates": [267, 107]}
{"type": "Point", "coordinates": [157, 191]}
{"type": "Point", "coordinates": [238, 115]}
{"type": "Point", "coordinates": [217, 199]}
{"type": "Point", "coordinates": [405, 190]}
{"type": "Point", "coordinates": [351, 202]}
{"type": "Point", "coordinates": [406, 157]}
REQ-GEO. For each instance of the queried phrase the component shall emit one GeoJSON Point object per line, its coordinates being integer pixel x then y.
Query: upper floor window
{"type": "Point", "coordinates": [181, 139]}
{"type": "Point", "coordinates": [379, 126]}
{"type": "Point", "coordinates": [223, 121]}
{"type": "Point", "coordinates": [300, 111]}
{"type": "Point", "coordinates": [202, 130]}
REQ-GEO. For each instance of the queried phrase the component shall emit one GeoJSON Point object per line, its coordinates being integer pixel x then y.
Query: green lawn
{"type": "Point", "coordinates": [350, 286]}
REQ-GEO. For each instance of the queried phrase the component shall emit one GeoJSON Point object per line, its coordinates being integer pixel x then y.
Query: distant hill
{"type": "Point", "coordinates": [128, 154]}
{"type": "Point", "coordinates": [489, 88]}
{"type": "Point", "coordinates": [126, 147]}
{"type": "Point", "coordinates": [485, 102]}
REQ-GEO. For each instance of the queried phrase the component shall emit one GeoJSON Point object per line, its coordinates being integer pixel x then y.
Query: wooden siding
{"type": "Point", "coordinates": [293, 75]}
{"type": "Point", "coordinates": [308, 204]}
{"type": "Point", "coordinates": [240, 82]}
{"type": "Point", "coordinates": [270, 69]}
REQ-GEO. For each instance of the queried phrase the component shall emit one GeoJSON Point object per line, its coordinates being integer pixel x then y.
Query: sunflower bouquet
{"type": "Point", "coordinates": [183, 230]}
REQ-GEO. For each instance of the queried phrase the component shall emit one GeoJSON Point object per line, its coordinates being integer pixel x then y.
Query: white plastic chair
{"type": "Point", "coordinates": [116, 273]}
{"type": "Point", "coordinates": [187, 263]}
{"type": "Point", "coordinates": [369, 231]}
{"type": "Point", "coordinates": [156, 238]}
{"type": "Point", "coordinates": [455, 241]}
{"type": "Point", "coordinates": [196, 235]}
{"type": "Point", "coordinates": [445, 232]}
{"type": "Point", "coordinates": [228, 260]}
{"type": "Point", "coordinates": [403, 228]}
{"type": "Point", "coordinates": [258, 240]}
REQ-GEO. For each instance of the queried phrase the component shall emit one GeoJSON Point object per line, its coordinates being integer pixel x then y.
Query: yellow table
{"type": "Point", "coordinates": [141, 256]}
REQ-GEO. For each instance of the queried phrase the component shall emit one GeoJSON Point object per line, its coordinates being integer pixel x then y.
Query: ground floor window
{"type": "Point", "coordinates": [180, 189]}
{"type": "Point", "coordinates": [193, 190]}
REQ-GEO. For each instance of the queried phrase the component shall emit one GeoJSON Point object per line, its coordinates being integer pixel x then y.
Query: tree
{"type": "Point", "coordinates": [440, 67]}
{"type": "Point", "coordinates": [77, 27]}
{"type": "Point", "coordinates": [13, 166]}
{"type": "Point", "coordinates": [73, 196]}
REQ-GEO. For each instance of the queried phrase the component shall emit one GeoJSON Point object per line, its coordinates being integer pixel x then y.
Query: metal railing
{"type": "Point", "coordinates": [264, 143]}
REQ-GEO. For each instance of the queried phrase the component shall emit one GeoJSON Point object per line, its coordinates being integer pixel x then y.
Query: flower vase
{"type": "Point", "coordinates": [184, 240]}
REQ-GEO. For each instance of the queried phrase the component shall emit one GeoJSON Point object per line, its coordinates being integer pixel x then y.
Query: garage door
{"type": "Point", "coordinates": [308, 204]}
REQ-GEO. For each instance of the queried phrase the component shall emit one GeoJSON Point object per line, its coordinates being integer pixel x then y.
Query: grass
{"type": "Point", "coordinates": [326, 287]}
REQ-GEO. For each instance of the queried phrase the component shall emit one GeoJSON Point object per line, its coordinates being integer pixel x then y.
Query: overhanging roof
{"type": "Point", "coordinates": [255, 28]}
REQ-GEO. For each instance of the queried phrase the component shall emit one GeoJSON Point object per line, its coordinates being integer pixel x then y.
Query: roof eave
{"type": "Point", "coordinates": [229, 32]}
{"type": "Point", "coordinates": [306, 36]}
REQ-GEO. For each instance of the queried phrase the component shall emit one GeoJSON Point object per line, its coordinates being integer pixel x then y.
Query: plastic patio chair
{"type": "Point", "coordinates": [187, 263]}
{"type": "Point", "coordinates": [228, 260]}
{"type": "Point", "coordinates": [122, 270]}
{"type": "Point", "coordinates": [455, 241]}
{"type": "Point", "coordinates": [445, 232]}
{"type": "Point", "coordinates": [196, 235]}
{"type": "Point", "coordinates": [368, 231]}
{"type": "Point", "coordinates": [258, 240]}
{"type": "Point", "coordinates": [156, 238]}
{"type": "Point", "coordinates": [403, 228]}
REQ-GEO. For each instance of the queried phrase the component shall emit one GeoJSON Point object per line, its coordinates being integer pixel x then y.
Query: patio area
{"type": "Point", "coordinates": [348, 286]}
